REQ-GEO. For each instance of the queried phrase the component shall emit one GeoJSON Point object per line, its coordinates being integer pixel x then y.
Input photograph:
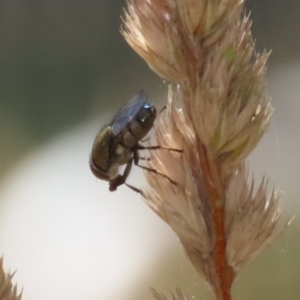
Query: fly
{"type": "Point", "coordinates": [118, 143]}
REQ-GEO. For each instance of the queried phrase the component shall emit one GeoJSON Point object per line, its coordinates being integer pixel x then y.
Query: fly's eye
{"type": "Point", "coordinates": [143, 117]}
{"type": "Point", "coordinates": [147, 115]}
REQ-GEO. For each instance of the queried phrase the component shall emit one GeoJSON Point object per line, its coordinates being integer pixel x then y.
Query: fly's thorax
{"type": "Point", "coordinates": [140, 126]}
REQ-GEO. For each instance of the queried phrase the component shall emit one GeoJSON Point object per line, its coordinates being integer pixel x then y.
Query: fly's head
{"type": "Point", "coordinates": [139, 126]}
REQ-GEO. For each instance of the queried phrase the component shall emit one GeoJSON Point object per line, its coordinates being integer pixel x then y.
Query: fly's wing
{"type": "Point", "coordinates": [128, 112]}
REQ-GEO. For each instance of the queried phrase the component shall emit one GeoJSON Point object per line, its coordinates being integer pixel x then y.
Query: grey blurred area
{"type": "Point", "coordinates": [61, 63]}
{"type": "Point", "coordinates": [64, 62]}
{"type": "Point", "coordinates": [276, 27]}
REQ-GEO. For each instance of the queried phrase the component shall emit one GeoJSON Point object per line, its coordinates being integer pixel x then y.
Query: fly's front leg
{"type": "Point", "coordinates": [162, 109]}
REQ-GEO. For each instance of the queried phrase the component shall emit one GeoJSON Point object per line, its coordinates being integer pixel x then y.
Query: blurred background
{"type": "Point", "coordinates": [64, 71]}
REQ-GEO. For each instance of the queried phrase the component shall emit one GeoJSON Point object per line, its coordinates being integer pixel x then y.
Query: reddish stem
{"type": "Point", "coordinates": [224, 274]}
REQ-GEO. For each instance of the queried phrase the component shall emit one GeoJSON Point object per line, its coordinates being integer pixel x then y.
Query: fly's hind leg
{"type": "Point", "coordinates": [135, 189]}
{"type": "Point", "coordinates": [120, 179]}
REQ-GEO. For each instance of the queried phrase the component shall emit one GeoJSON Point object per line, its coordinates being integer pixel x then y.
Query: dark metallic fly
{"type": "Point", "coordinates": [118, 143]}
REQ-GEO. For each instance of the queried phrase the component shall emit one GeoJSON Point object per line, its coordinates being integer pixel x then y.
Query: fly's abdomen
{"type": "Point", "coordinates": [100, 156]}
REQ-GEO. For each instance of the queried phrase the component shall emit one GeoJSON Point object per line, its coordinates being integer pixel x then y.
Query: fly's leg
{"type": "Point", "coordinates": [135, 189]}
{"type": "Point", "coordinates": [145, 158]}
{"type": "Point", "coordinates": [136, 158]}
{"type": "Point", "coordinates": [141, 147]}
{"type": "Point", "coordinates": [158, 173]}
{"type": "Point", "coordinates": [120, 179]}
{"type": "Point", "coordinates": [162, 109]}
{"type": "Point", "coordinates": [145, 139]}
